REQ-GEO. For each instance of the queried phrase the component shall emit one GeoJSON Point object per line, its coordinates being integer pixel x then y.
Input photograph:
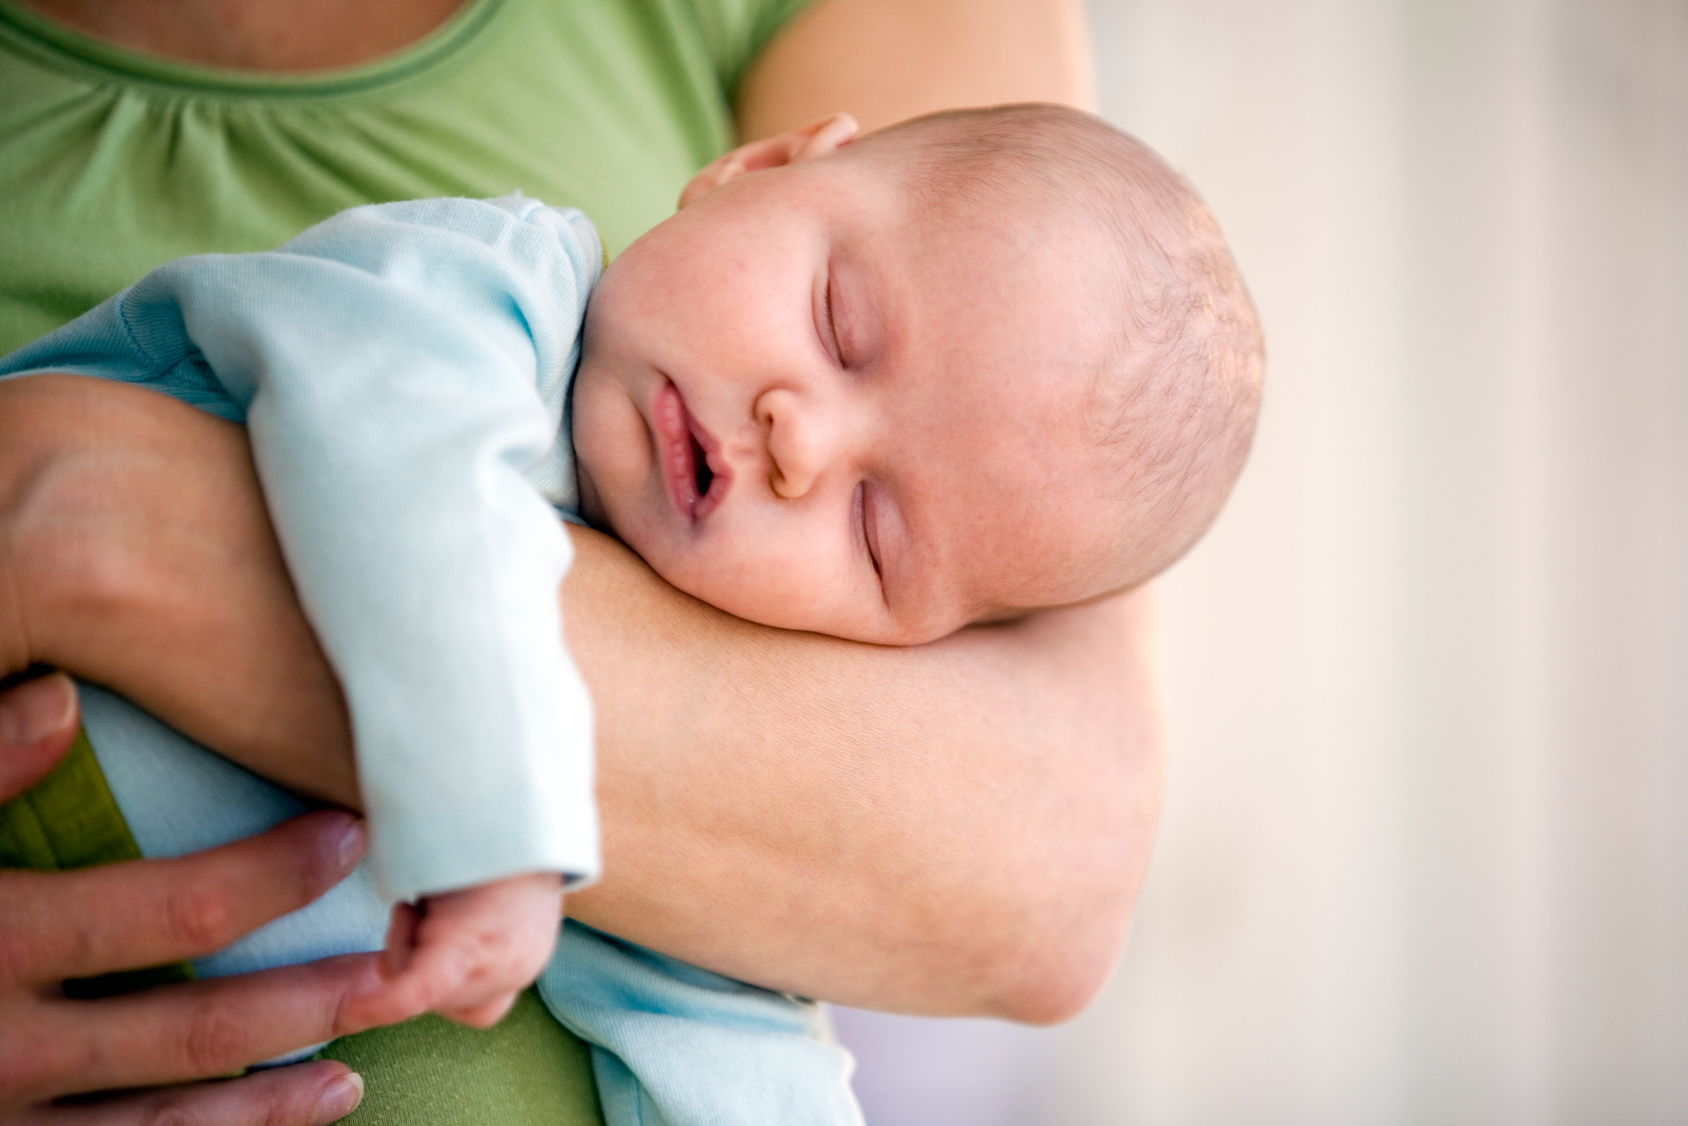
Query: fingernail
{"type": "Point", "coordinates": [338, 1099]}
{"type": "Point", "coordinates": [354, 842]}
{"type": "Point", "coordinates": [36, 709]}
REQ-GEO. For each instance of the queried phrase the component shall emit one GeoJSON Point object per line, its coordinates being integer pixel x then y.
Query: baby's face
{"type": "Point", "coordinates": [802, 406]}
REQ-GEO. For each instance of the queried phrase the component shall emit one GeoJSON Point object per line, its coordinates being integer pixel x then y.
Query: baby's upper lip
{"type": "Point", "coordinates": [689, 455]}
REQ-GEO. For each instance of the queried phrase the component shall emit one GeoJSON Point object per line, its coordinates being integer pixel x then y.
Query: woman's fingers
{"type": "Point", "coordinates": [122, 916]}
{"type": "Point", "coordinates": [308, 1094]}
{"type": "Point", "coordinates": [204, 1028]}
{"type": "Point", "coordinates": [148, 913]}
{"type": "Point", "coordinates": [177, 1033]}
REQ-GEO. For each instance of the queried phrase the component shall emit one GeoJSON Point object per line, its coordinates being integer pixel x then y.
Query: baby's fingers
{"type": "Point", "coordinates": [401, 940]}
{"type": "Point", "coordinates": [485, 1015]}
{"type": "Point", "coordinates": [435, 977]}
{"type": "Point", "coordinates": [410, 985]}
{"type": "Point", "coordinates": [476, 985]}
{"type": "Point", "coordinates": [466, 954]}
{"type": "Point", "coordinates": [501, 932]}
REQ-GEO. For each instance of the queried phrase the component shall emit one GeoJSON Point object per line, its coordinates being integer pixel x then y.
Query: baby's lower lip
{"type": "Point", "coordinates": [693, 473]}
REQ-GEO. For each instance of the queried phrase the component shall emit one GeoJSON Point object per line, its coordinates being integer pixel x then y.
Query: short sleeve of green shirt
{"type": "Point", "coordinates": [735, 31]}
{"type": "Point", "coordinates": [113, 162]}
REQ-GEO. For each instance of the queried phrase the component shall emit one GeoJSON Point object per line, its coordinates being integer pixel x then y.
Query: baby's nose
{"type": "Point", "coordinates": [803, 440]}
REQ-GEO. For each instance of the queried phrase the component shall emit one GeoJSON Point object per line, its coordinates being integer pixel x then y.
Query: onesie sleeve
{"type": "Point", "coordinates": [403, 370]}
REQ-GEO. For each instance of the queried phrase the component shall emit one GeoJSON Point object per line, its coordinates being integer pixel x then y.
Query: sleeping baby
{"type": "Point", "coordinates": [975, 365]}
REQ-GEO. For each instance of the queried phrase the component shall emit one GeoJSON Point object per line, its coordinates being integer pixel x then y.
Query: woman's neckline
{"type": "Point", "coordinates": [56, 45]}
{"type": "Point", "coordinates": [254, 36]}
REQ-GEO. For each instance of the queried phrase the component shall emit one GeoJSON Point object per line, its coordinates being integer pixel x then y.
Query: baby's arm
{"type": "Point", "coordinates": [399, 369]}
{"type": "Point", "coordinates": [472, 328]}
{"type": "Point", "coordinates": [465, 954]}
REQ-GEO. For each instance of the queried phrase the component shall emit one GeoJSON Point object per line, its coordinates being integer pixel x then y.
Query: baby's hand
{"type": "Point", "coordinates": [465, 954]}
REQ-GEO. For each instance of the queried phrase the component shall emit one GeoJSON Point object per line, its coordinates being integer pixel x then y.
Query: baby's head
{"type": "Point", "coordinates": [980, 363]}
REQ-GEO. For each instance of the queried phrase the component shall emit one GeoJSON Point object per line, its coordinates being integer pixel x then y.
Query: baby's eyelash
{"type": "Point", "coordinates": [831, 325]}
{"type": "Point", "coordinates": [867, 534]}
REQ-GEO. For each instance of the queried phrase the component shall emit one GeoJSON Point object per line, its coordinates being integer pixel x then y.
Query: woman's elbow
{"type": "Point", "coordinates": [1061, 959]}
{"type": "Point", "coordinates": [1073, 904]}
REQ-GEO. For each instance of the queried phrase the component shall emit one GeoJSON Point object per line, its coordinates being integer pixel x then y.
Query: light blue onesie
{"type": "Point", "coordinates": [404, 372]}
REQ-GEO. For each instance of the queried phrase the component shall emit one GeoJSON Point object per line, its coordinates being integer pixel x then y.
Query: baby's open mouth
{"type": "Point", "coordinates": [705, 475]}
{"type": "Point", "coordinates": [695, 485]}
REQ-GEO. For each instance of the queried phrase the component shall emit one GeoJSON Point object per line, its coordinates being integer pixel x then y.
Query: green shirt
{"type": "Point", "coordinates": [113, 162]}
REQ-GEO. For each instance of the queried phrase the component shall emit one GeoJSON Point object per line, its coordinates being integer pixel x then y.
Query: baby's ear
{"type": "Point", "coordinates": [818, 138]}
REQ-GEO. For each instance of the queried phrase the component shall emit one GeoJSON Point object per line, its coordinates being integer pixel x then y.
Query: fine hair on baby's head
{"type": "Point", "coordinates": [1174, 392]}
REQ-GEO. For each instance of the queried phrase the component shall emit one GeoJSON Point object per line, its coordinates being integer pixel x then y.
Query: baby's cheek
{"type": "Point", "coordinates": [786, 591]}
{"type": "Point", "coordinates": [721, 578]}
{"type": "Point", "coordinates": [614, 460]}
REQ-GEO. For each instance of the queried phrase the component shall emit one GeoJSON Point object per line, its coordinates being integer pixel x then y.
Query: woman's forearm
{"type": "Point", "coordinates": [956, 828]}
{"type": "Point", "coordinates": [135, 551]}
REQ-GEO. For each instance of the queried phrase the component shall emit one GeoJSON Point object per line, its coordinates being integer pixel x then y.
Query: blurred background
{"type": "Point", "coordinates": [1425, 856]}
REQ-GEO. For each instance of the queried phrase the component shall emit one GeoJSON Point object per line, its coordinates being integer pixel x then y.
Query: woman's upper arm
{"type": "Point", "coordinates": [874, 59]}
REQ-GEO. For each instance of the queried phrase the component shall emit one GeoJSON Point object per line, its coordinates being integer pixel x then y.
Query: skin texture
{"type": "Point", "coordinates": [960, 827]}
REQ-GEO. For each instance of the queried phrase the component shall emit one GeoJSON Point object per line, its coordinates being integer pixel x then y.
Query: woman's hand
{"type": "Point", "coordinates": [126, 916]}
